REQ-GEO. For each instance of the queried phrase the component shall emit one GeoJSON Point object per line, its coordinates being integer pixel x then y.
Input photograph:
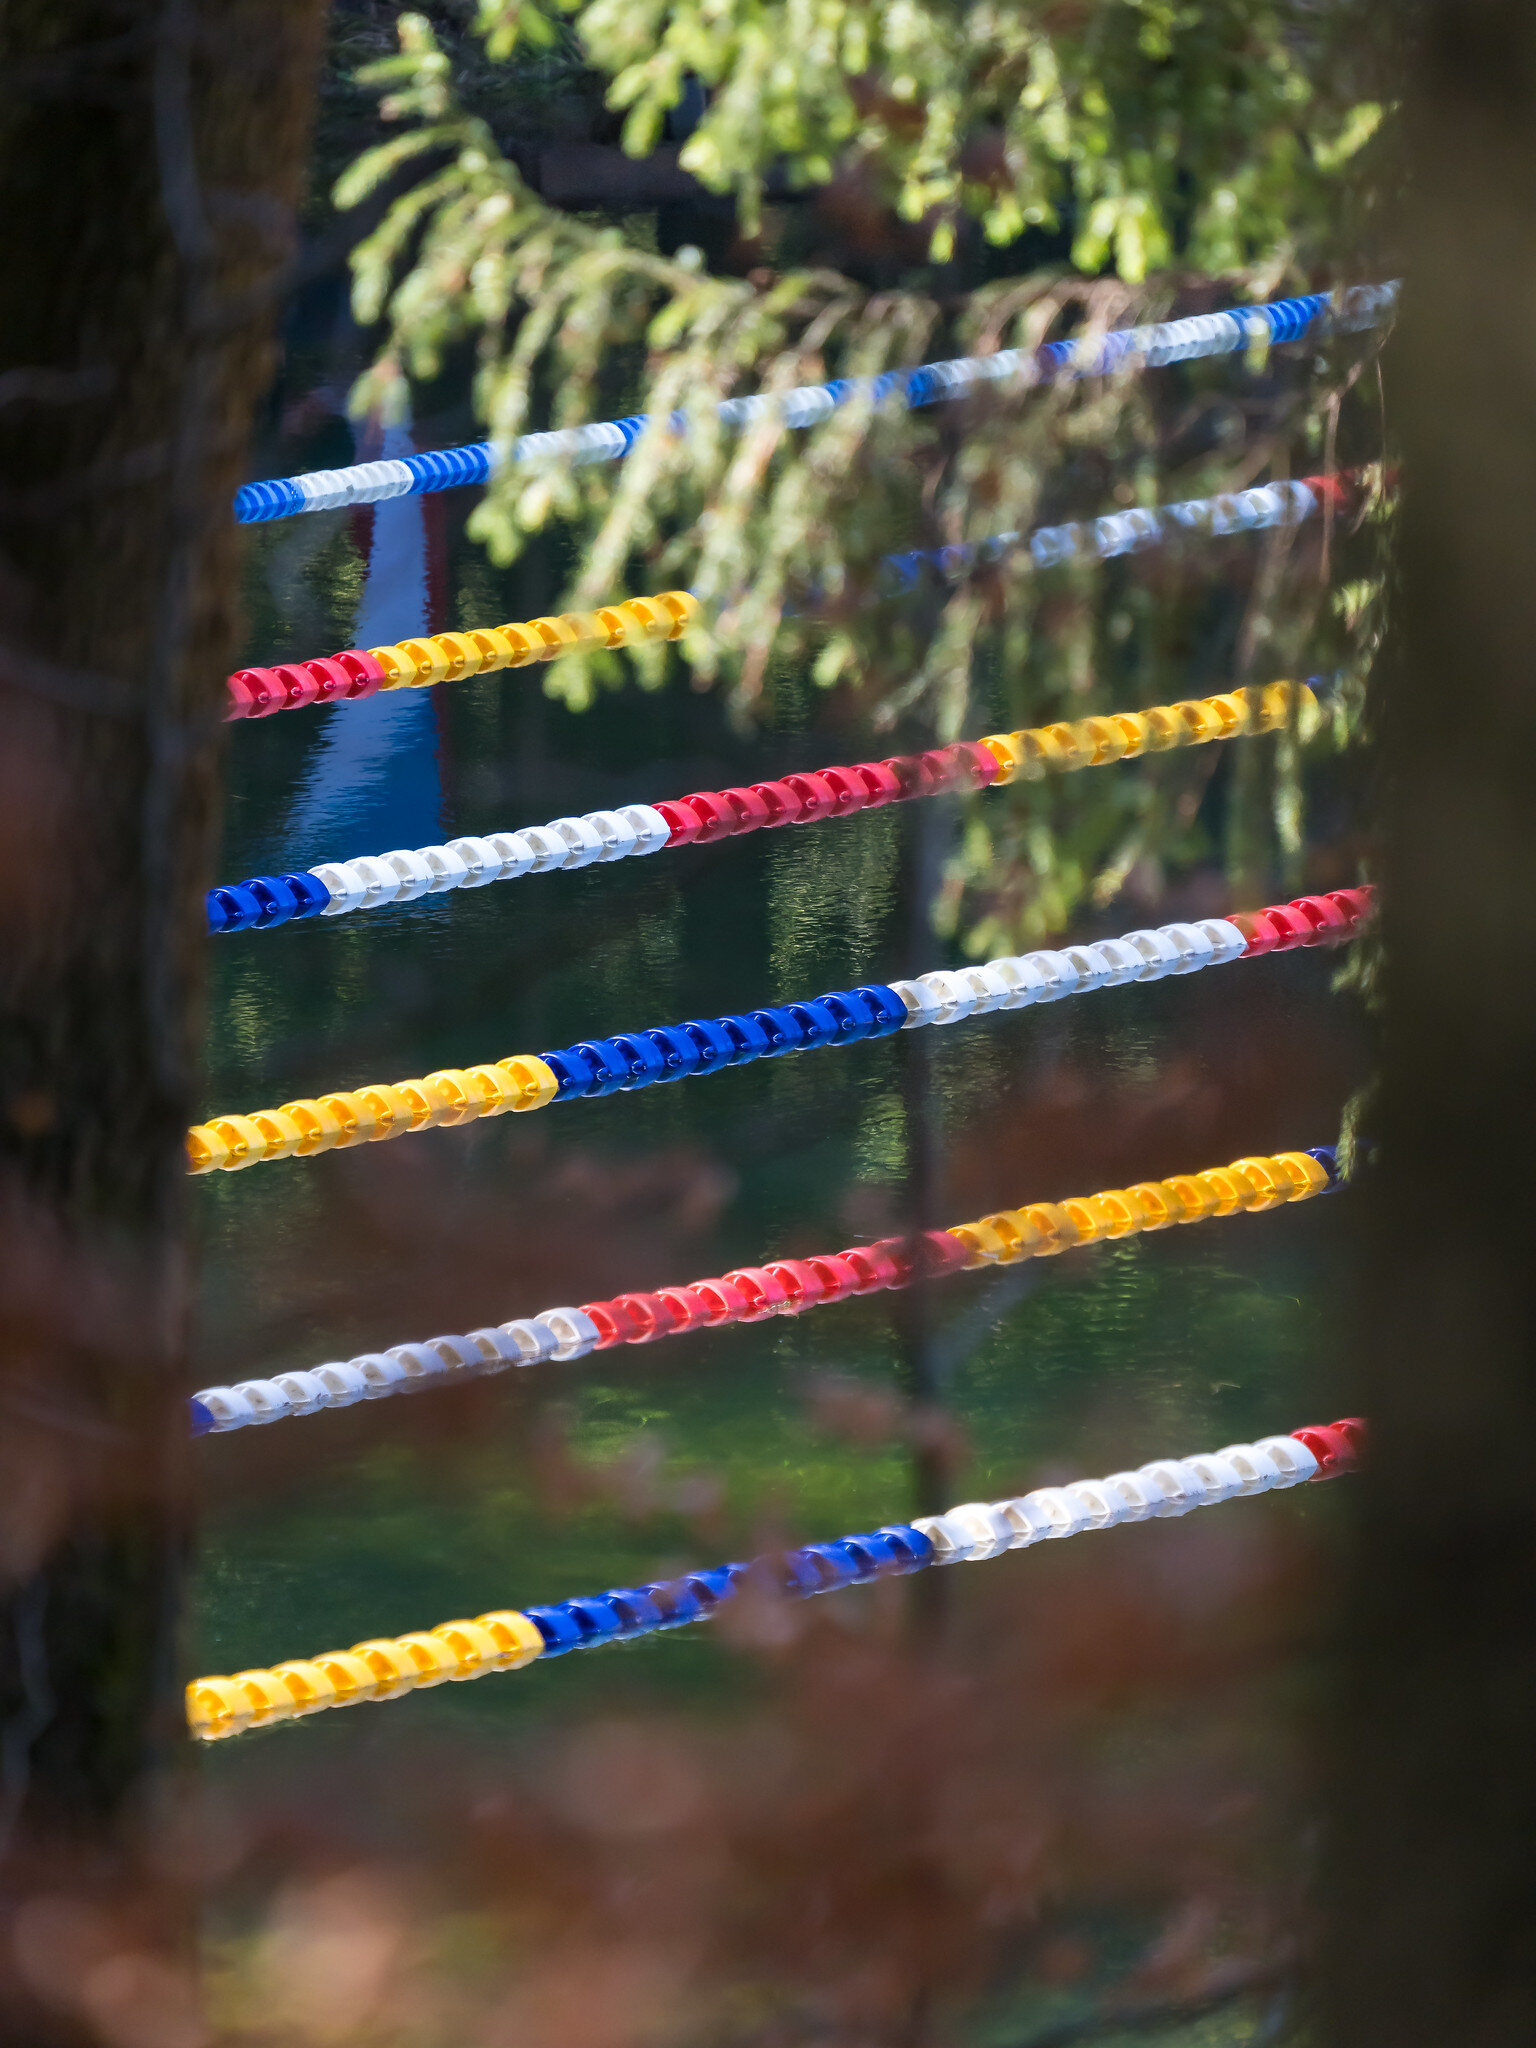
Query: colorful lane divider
{"type": "Point", "coordinates": [1128, 533]}
{"type": "Point", "coordinates": [333, 888]}
{"type": "Point", "coordinates": [508, 1639]}
{"type": "Point", "coordinates": [1150, 347]}
{"type": "Point", "coordinates": [452, 657]}
{"type": "Point", "coordinates": [643, 1059]}
{"type": "Point", "coordinates": [784, 1287]}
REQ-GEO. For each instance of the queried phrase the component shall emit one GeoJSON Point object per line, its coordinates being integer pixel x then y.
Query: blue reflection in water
{"type": "Point", "coordinates": [375, 780]}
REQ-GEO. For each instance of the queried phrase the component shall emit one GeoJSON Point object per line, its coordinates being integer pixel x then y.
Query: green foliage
{"type": "Point", "coordinates": [1123, 107]}
{"type": "Point", "coordinates": [507, 23]}
{"type": "Point", "coordinates": [1215, 137]}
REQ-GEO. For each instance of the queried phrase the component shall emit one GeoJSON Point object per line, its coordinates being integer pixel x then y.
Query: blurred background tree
{"type": "Point", "coordinates": [150, 156]}
{"type": "Point", "coordinates": [1432, 1899]}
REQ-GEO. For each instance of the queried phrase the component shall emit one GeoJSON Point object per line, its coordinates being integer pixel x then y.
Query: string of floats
{"type": "Point", "coordinates": [333, 888]}
{"type": "Point", "coordinates": [1126, 349]}
{"type": "Point", "coordinates": [642, 1059]}
{"type": "Point", "coordinates": [508, 1639]}
{"type": "Point", "coordinates": [783, 1287]}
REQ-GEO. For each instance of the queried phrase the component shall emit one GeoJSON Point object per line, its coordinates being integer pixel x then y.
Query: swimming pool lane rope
{"type": "Point", "coordinates": [482, 650]}
{"type": "Point", "coordinates": [1170, 341]}
{"type": "Point", "coordinates": [642, 1059]}
{"type": "Point", "coordinates": [782, 1287]}
{"type": "Point", "coordinates": [333, 888]}
{"type": "Point", "coordinates": [508, 1639]}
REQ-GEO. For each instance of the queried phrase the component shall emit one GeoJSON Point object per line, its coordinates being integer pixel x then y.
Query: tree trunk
{"type": "Point", "coordinates": [150, 156]}
{"type": "Point", "coordinates": [1433, 1894]}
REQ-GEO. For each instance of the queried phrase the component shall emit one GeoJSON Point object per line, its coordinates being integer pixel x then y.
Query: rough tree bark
{"type": "Point", "coordinates": [1433, 1898]}
{"type": "Point", "coordinates": [150, 155]}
